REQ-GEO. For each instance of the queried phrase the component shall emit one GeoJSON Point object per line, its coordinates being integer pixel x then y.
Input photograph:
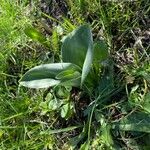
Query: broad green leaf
{"type": "Point", "coordinates": [61, 92]}
{"type": "Point", "coordinates": [44, 107]}
{"type": "Point", "coordinates": [70, 77]}
{"type": "Point", "coordinates": [100, 55]}
{"type": "Point", "coordinates": [75, 82]}
{"type": "Point", "coordinates": [36, 35]}
{"type": "Point", "coordinates": [41, 83]}
{"type": "Point", "coordinates": [43, 76]}
{"type": "Point", "coordinates": [54, 104]}
{"type": "Point", "coordinates": [67, 110]}
{"type": "Point", "coordinates": [68, 74]}
{"type": "Point", "coordinates": [77, 48]}
{"type": "Point", "coordinates": [49, 97]}
{"type": "Point", "coordinates": [100, 51]}
{"type": "Point", "coordinates": [142, 127]}
{"type": "Point", "coordinates": [139, 122]}
{"type": "Point", "coordinates": [44, 104]}
{"type": "Point", "coordinates": [88, 62]}
{"type": "Point", "coordinates": [64, 110]}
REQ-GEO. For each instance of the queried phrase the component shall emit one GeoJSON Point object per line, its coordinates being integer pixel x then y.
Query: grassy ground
{"type": "Point", "coordinates": [120, 120]}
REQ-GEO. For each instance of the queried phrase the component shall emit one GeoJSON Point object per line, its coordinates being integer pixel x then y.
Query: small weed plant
{"type": "Point", "coordinates": [82, 60]}
{"type": "Point", "coordinates": [85, 65]}
{"type": "Point", "coordinates": [80, 67]}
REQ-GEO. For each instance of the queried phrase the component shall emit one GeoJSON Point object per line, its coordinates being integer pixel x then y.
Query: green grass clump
{"type": "Point", "coordinates": [107, 118]}
{"type": "Point", "coordinates": [17, 131]}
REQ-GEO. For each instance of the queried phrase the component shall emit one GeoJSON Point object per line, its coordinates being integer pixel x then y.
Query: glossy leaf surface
{"type": "Point", "coordinates": [77, 48]}
{"type": "Point", "coordinates": [44, 76]}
